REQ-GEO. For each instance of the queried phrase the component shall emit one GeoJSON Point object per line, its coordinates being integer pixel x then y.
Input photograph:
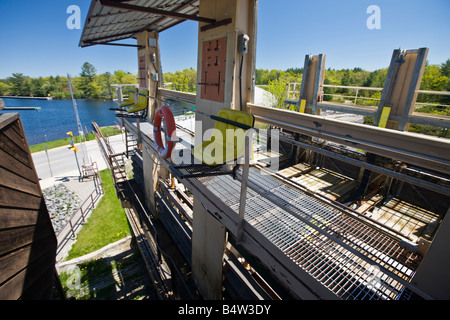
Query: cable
{"type": "Point", "coordinates": [240, 81]}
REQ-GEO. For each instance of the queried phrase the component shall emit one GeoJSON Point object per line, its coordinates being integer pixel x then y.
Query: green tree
{"type": "Point", "coordinates": [185, 81]}
{"type": "Point", "coordinates": [105, 80]}
{"type": "Point", "coordinates": [119, 75]}
{"type": "Point", "coordinates": [20, 84]}
{"type": "Point", "coordinates": [445, 68]}
{"type": "Point", "coordinates": [87, 84]}
{"type": "Point", "coordinates": [432, 80]}
{"type": "Point", "coordinates": [4, 89]}
{"type": "Point", "coordinates": [37, 87]}
{"type": "Point", "coordinates": [278, 88]}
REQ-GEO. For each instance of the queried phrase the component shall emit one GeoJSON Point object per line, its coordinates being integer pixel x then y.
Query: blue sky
{"type": "Point", "coordinates": [35, 41]}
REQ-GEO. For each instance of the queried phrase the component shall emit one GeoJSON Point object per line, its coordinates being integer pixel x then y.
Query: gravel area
{"type": "Point", "coordinates": [61, 203]}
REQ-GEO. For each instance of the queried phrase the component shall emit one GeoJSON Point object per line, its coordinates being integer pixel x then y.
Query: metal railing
{"type": "Point", "coordinates": [293, 92]}
{"type": "Point", "coordinates": [69, 230]}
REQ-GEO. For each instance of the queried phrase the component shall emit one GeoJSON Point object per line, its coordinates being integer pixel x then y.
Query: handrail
{"type": "Point", "coordinates": [74, 221]}
{"type": "Point", "coordinates": [421, 150]}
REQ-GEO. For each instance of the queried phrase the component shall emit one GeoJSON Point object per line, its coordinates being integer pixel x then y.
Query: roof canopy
{"type": "Point", "coordinates": [112, 20]}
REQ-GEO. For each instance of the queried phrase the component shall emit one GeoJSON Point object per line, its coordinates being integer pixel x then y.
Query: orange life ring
{"type": "Point", "coordinates": [165, 150]}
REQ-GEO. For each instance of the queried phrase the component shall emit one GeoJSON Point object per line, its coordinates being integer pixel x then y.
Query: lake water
{"type": "Point", "coordinates": [56, 117]}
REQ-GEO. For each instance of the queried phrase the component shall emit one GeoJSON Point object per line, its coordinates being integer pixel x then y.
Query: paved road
{"type": "Point", "coordinates": [63, 163]}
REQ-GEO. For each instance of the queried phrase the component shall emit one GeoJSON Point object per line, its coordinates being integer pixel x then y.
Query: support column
{"type": "Point", "coordinates": [150, 171]}
{"type": "Point", "coordinates": [150, 69]}
{"type": "Point", "coordinates": [149, 78]}
{"type": "Point", "coordinates": [218, 52]}
{"type": "Point", "coordinates": [208, 245]}
{"type": "Point", "coordinates": [221, 85]}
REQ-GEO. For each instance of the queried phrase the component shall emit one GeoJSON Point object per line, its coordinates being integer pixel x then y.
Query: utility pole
{"type": "Point", "coordinates": [75, 150]}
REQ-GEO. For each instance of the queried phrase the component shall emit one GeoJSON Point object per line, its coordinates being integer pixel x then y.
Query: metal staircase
{"type": "Point", "coordinates": [131, 144]}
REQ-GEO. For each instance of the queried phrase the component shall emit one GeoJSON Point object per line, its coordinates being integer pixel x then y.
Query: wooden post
{"type": "Point", "coordinates": [150, 71]}
{"type": "Point", "coordinates": [312, 82]}
{"type": "Point", "coordinates": [401, 86]}
{"type": "Point", "coordinates": [243, 16]}
{"type": "Point", "coordinates": [221, 85]}
{"type": "Point", "coordinates": [208, 245]}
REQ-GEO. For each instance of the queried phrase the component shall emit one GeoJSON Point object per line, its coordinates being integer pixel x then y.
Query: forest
{"type": "Point", "coordinates": [87, 85]}
{"type": "Point", "coordinates": [90, 85]}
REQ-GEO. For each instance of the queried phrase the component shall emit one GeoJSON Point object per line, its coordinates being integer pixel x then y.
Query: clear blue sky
{"type": "Point", "coordinates": [35, 41]}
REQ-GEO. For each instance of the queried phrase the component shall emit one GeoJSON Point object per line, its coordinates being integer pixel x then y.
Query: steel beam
{"type": "Point", "coordinates": [115, 44]}
{"type": "Point", "coordinates": [416, 149]}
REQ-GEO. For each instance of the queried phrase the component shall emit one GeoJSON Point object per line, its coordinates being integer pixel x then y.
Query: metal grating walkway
{"type": "Point", "coordinates": [350, 258]}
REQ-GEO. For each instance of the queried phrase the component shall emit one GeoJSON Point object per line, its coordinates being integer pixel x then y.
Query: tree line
{"type": "Point", "coordinates": [435, 78]}
{"type": "Point", "coordinates": [87, 85]}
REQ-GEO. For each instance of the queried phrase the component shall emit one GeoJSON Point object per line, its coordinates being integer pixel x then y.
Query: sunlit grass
{"type": "Point", "coordinates": [107, 223]}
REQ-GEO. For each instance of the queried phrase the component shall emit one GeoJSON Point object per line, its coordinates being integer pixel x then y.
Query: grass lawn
{"type": "Point", "coordinates": [106, 224]}
{"type": "Point", "coordinates": [66, 141]}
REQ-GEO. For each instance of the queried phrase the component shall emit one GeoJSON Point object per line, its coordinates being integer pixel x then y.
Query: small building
{"type": "Point", "coordinates": [27, 239]}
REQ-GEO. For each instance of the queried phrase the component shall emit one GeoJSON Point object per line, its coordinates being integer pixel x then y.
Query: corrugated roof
{"type": "Point", "coordinates": [109, 20]}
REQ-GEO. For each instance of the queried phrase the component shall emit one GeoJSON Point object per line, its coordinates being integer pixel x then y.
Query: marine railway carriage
{"type": "Point", "coordinates": [354, 212]}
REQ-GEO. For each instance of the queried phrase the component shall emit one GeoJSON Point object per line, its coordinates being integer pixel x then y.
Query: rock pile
{"type": "Point", "coordinates": [61, 203]}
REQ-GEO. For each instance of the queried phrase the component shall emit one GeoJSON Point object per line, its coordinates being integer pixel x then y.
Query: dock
{"type": "Point", "coordinates": [3, 107]}
{"type": "Point", "coordinates": [33, 98]}
{"type": "Point", "coordinates": [21, 108]}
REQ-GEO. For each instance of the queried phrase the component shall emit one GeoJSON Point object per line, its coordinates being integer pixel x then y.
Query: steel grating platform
{"type": "Point", "coordinates": [347, 256]}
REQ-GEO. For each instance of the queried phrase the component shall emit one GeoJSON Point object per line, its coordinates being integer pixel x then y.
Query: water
{"type": "Point", "coordinates": [56, 117]}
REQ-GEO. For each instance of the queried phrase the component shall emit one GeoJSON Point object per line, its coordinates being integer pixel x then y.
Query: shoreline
{"type": "Point", "coordinates": [66, 141]}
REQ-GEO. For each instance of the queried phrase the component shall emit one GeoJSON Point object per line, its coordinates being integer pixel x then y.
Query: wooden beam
{"type": "Point", "coordinates": [402, 85]}
{"type": "Point", "coordinates": [313, 74]}
{"type": "Point", "coordinates": [171, 14]}
{"type": "Point", "coordinates": [111, 37]}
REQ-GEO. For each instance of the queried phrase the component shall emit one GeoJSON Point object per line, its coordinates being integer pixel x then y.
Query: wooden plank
{"type": "Point", "coordinates": [13, 133]}
{"type": "Point", "coordinates": [13, 149]}
{"type": "Point", "coordinates": [17, 199]}
{"type": "Point", "coordinates": [12, 239]}
{"type": "Point", "coordinates": [312, 81]}
{"type": "Point", "coordinates": [13, 217]}
{"type": "Point", "coordinates": [21, 285]}
{"type": "Point", "coordinates": [27, 239]}
{"type": "Point", "coordinates": [13, 181]}
{"type": "Point", "coordinates": [12, 263]}
{"type": "Point", "coordinates": [7, 118]}
{"type": "Point", "coordinates": [40, 285]}
{"type": "Point", "coordinates": [298, 169]}
{"type": "Point", "coordinates": [401, 86]}
{"type": "Point", "coordinates": [8, 162]}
